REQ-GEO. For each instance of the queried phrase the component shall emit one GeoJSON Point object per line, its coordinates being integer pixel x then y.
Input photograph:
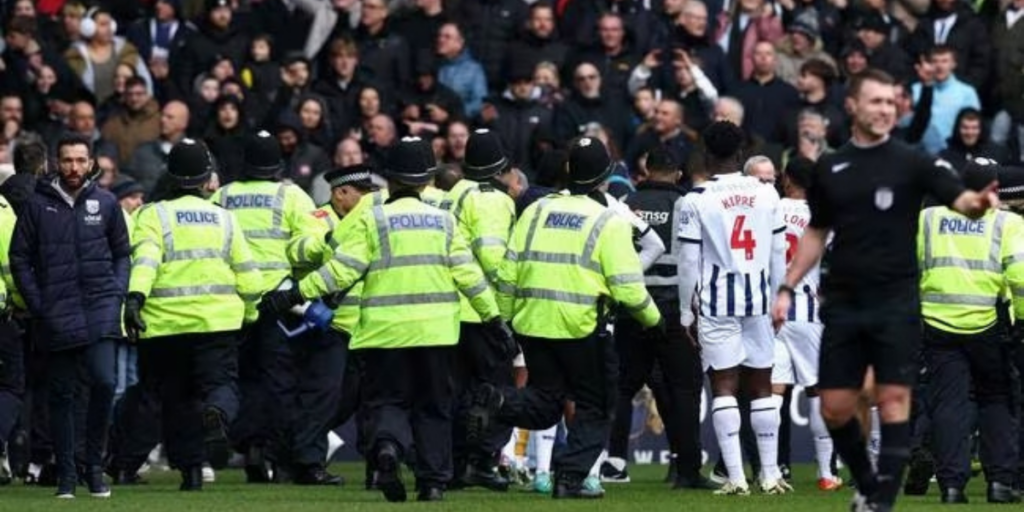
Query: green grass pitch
{"type": "Point", "coordinates": [645, 494]}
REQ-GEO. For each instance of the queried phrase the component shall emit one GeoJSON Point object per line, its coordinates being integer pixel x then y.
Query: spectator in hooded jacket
{"type": "Point", "coordinates": [70, 259]}
{"type": "Point", "coordinates": [801, 44]}
{"type": "Point", "coordinates": [970, 140]}
{"type": "Point", "coordinates": [517, 114]}
{"type": "Point", "coordinates": [226, 138]}
{"type": "Point", "coordinates": [459, 71]}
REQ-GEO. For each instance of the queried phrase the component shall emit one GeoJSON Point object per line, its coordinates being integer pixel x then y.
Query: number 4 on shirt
{"type": "Point", "coordinates": [742, 238]}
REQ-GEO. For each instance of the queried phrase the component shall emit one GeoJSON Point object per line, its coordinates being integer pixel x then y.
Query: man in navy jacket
{"type": "Point", "coordinates": [70, 258]}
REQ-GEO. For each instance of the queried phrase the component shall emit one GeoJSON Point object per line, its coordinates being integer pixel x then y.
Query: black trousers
{"type": "Point", "coordinates": [93, 366]}
{"type": "Point", "coordinates": [190, 372]}
{"type": "Point", "coordinates": [408, 400]}
{"type": "Point", "coordinates": [955, 362]}
{"type": "Point", "coordinates": [672, 369]}
{"type": "Point", "coordinates": [137, 426]}
{"type": "Point", "coordinates": [475, 364]}
{"type": "Point", "coordinates": [319, 370]}
{"type": "Point", "coordinates": [36, 411]}
{"type": "Point", "coordinates": [584, 371]}
{"type": "Point", "coordinates": [12, 378]}
{"type": "Point", "coordinates": [265, 383]}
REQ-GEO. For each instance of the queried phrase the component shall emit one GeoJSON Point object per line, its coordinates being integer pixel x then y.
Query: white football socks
{"type": "Point", "coordinates": [544, 448]}
{"type": "Point", "coordinates": [764, 420]}
{"type": "Point", "coordinates": [725, 416]}
{"type": "Point", "coordinates": [822, 440]}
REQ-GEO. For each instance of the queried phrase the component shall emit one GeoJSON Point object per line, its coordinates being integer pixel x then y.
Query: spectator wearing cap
{"type": "Point", "coordinates": [302, 159]}
{"type": "Point", "coordinates": [823, 15]}
{"type": "Point", "coordinates": [426, 104]}
{"type": "Point", "coordinates": [226, 138]}
{"type": "Point", "coordinates": [136, 123]}
{"type": "Point", "coordinates": [341, 82]}
{"type": "Point", "coordinates": [382, 50]}
{"type": "Point", "coordinates": [517, 114]}
{"type": "Point", "coordinates": [816, 79]}
{"type": "Point", "coordinates": [765, 97]}
{"type": "Point", "coordinates": [853, 60]}
{"type": "Point", "coordinates": [215, 35]}
{"type": "Point", "coordinates": [94, 60]}
{"type": "Point", "coordinates": [802, 43]}
{"type": "Point", "coordinates": [130, 194]}
{"type": "Point", "coordinates": [953, 24]}
{"type": "Point", "coordinates": [950, 96]}
{"type": "Point", "coordinates": [459, 70]}
{"type": "Point", "coordinates": [162, 35]}
{"type": "Point", "coordinates": [882, 54]}
{"type": "Point", "coordinates": [149, 160]}
{"type": "Point", "coordinates": [587, 104]}
{"type": "Point", "coordinates": [538, 43]}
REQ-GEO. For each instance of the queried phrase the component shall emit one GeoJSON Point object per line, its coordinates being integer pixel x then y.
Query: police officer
{"type": "Point", "coordinates": [569, 257]}
{"type": "Point", "coordinates": [273, 216]}
{"type": "Point", "coordinates": [193, 284]}
{"type": "Point", "coordinates": [485, 217]}
{"type": "Point", "coordinates": [966, 267]}
{"type": "Point", "coordinates": [12, 362]}
{"type": "Point", "coordinates": [413, 262]}
{"type": "Point", "coordinates": [656, 201]}
{"type": "Point", "coordinates": [348, 185]}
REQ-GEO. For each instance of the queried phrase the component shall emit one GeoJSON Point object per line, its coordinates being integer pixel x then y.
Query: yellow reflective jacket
{"type": "Point", "coordinates": [7, 221]}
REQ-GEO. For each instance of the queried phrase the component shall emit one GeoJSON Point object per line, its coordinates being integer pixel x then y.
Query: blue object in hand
{"type": "Point", "coordinates": [316, 316]}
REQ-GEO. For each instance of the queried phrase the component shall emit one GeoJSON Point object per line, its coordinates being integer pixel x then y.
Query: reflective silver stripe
{"type": "Point", "coordinates": [193, 254]}
{"type": "Point", "coordinates": [350, 300]}
{"type": "Point", "coordinates": [165, 226]}
{"type": "Point", "coordinates": [410, 261]}
{"type": "Point", "coordinates": [265, 234]}
{"type": "Point", "coordinates": [277, 218]}
{"type": "Point", "coordinates": [460, 259]}
{"type": "Point", "coordinates": [192, 291]}
{"type": "Point", "coordinates": [302, 250]}
{"type": "Point", "coordinates": [595, 233]}
{"type": "Point", "coordinates": [449, 234]}
{"type": "Point", "coordinates": [350, 262]}
{"type": "Point", "coordinates": [511, 255]}
{"type": "Point", "coordinates": [533, 224]}
{"type": "Point", "coordinates": [959, 299]}
{"type": "Point", "coordinates": [1013, 258]}
{"type": "Point", "coordinates": [229, 236]}
{"type": "Point", "coordinates": [146, 262]}
{"type": "Point", "coordinates": [476, 289]}
{"type": "Point", "coordinates": [506, 288]}
{"type": "Point", "coordinates": [954, 262]}
{"type": "Point", "coordinates": [996, 248]}
{"type": "Point", "coordinates": [559, 258]}
{"type": "Point", "coordinates": [250, 297]}
{"type": "Point", "coordinates": [642, 305]}
{"type": "Point", "coordinates": [462, 197]}
{"type": "Point", "coordinates": [410, 299]}
{"type": "Point", "coordinates": [272, 265]}
{"type": "Point", "coordinates": [247, 266]}
{"type": "Point", "coordinates": [556, 295]}
{"type": "Point", "coordinates": [144, 242]}
{"type": "Point", "coordinates": [382, 232]}
{"type": "Point", "coordinates": [661, 281]}
{"type": "Point", "coordinates": [625, 279]}
{"type": "Point", "coordinates": [488, 241]}
{"type": "Point", "coordinates": [329, 281]}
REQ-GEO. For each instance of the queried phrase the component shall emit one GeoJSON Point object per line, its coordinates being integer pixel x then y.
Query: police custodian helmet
{"type": "Point", "coordinates": [262, 156]}
{"type": "Point", "coordinates": [411, 162]}
{"type": "Point", "coordinates": [190, 163]}
{"type": "Point", "coordinates": [484, 156]}
{"type": "Point", "coordinates": [589, 164]}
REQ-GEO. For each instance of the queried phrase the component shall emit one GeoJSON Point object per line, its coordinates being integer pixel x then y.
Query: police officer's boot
{"type": "Point", "coordinates": [315, 474]}
{"type": "Point", "coordinates": [192, 479]}
{"type": "Point", "coordinates": [215, 437]}
{"type": "Point", "coordinates": [571, 487]}
{"type": "Point", "coordinates": [1002, 493]}
{"type": "Point", "coordinates": [389, 468]}
{"type": "Point", "coordinates": [370, 477]}
{"type": "Point", "coordinates": [953, 496]}
{"type": "Point", "coordinates": [919, 472]}
{"type": "Point", "coordinates": [487, 401]}
{"type": "Point", "coordinates": [256, 466]}
{"type": "Point", "coordinates": [430, 493]}
{"type": "Point", "coordinates": [481, 474]}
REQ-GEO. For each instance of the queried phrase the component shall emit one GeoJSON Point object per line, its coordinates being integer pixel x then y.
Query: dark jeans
{"type": "Point", "coordinates": [475, 364]}
{"type": "Point", "coordinates": [265, 383]}
{"type": "Point", "coordinates": [319, 363]}
{"type": "Point", "coordinates": [12, 378]}
{"type": "Point", "coordinates": [94, 365]}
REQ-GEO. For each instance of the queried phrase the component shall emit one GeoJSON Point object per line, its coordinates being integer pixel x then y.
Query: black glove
{"type": "Point", "coordinates": [502, 338]}
{"type": "Point", "coordinates": [279, 301]}
{"type": "Point", "coordinates": [133, 315]}
{"type": "Point", "coordinates": [659, 331]}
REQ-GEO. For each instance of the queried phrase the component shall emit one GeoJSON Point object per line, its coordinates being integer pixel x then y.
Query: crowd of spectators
{"type": "Point", "coordinates": [340, 81]}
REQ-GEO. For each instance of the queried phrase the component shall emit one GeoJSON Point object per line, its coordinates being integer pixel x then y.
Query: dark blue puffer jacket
{"type": "Point", "coordinates": [71, 265]}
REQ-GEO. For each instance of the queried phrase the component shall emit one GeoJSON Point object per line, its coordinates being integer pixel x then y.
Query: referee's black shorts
{"type": "Point", "coordinates": [882, 331]}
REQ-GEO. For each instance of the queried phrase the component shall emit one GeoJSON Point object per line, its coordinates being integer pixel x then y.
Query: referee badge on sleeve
{"type": "Point", "coordinates": [883, 198]}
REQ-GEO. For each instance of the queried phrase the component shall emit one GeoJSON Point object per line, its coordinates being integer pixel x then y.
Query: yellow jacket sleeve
{"type": "Point", "coordinates": [469, 277]}
{"type": "Point", "coordinates": [348, 264]}
{"type": "Point", "coordinates": [247, 276]}
{"type": "Point", "coordinates": [1013, 261]}
{"type": "Point", "coordinates": [3, 295]}
{"type": "Point", "coordinates": [920, 236]}
{"type": "Point", "coordinates": [308, 243]}
{"type": "Point", "coordinates": [623, 273]}
{"type": "Point", "coordinates": [148, 251]}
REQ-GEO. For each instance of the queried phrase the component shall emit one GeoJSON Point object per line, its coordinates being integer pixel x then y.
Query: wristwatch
{"type": "Point", "coordinates": [787, 289]}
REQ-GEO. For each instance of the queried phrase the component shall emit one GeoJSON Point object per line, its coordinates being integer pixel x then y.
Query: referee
{"type": "Point", "coordinates": [869, 193]}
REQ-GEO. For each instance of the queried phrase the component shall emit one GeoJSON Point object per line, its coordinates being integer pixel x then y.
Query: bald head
{"type": "Point", "coordinates": [729, 109]}
{"type": "Point", "coordinates": [82, 118]}
{"type": "Point", "coordinates": [174, 120]}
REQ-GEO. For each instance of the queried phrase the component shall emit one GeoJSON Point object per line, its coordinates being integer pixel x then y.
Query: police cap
{"type": "Point", "coordinates": [359, 176]}
{"type": "Point", "coordinates": [190, 163]}
{"type": "Point", "coordinates": [411, 161]}
{"type": "Point", "coordinates": [262, 156]}
{"type": "Point", "coordinates": [484, 155]}
{"type": "Point", "coordinates": [589, 164]}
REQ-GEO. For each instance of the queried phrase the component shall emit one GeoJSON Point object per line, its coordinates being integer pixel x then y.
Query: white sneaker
{"type": "Point", "coordinates": [775, 486]}
{"type": "Point", "coordinates": [733, 489]}
{"type": "Point", "coordinates": [209, 476]}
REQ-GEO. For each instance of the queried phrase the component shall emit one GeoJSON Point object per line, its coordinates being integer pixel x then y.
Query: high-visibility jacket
{"type": "Point", "coordinates": [7, 221]}
{"type": "Point", "coordinates": [275, 218]}
{"type": "Point", "coordinates": [967, 265]}
{"type": "Point", "coordinates": [485, 218]}
{"type": "Point", "coordinates": [328, 216]}
{"type": "Point", "coordinates": [413, 262]}
{"type": "Point", "coordinates": [192, 263]}
{"type": "Point", "coordinates": [434, 197]}
{"type": "Point", "coordinates": [346, 315]}
{"type": "Point", "coordinates": [566, 253]}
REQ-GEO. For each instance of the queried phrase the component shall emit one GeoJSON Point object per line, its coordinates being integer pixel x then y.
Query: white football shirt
{"type": "Point", "coordinates": [804, 307]}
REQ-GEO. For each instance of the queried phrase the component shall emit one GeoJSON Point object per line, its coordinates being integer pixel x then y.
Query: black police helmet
{"type": "Point", "coordinates": [589, 164]}
{"type": "Point", "coordinates": [190, 163]}
{"type": "Point", "coordinates": [484, 155]}
{"type": "Point", "coordinates": [411, 161]}
{"type": "Point", "coordinates": [262, 156]}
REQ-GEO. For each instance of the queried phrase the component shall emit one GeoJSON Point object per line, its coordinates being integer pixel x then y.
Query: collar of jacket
{"type": "Point", "coordinates": [46, 187]}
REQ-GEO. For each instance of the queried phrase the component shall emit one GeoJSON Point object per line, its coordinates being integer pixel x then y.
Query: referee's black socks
{"type": "Point", "coordinates": [892, 460]}
{"type": "Point", "coordinates": [850, 445]}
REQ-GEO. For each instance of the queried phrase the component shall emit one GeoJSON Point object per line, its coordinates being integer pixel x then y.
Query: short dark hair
{"type": "Point", "coordinates": [869, 75]}
{"type": "Point", "coordinates": [799, 171]}
{"type": "Point", "coordinates": [820, 69]}
{"type": "Point", "coordinates": [73, 140]}
{"type": "Point", "coordinates": [23, 25]}
{"type": "Point", "coordinates": [30, 158]}
{"type": "Point", "coordinates": [135, 81]}
{"type": "Point", "coordinates": [942, 49]}
{"type": "Point", "coordinates": [723, 141]}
